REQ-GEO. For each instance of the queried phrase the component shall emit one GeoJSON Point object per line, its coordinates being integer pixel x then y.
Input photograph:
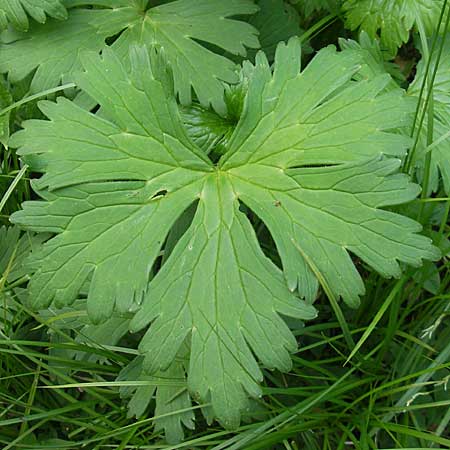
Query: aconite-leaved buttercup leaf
{"type": "Point", "coordinates": [312, 155]}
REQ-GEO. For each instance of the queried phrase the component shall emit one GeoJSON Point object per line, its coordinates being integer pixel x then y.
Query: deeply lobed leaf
{"type": "Point", "coordinates": [115, 183]}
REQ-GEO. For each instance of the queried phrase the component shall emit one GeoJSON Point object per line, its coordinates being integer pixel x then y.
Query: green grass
{"type": "Point", "coordinates": [391, 395]}
{"type": "Point", "coordinates": [374, 378]}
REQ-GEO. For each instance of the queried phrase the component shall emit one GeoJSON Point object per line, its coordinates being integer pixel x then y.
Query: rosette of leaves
{"type": "Point", "coordinates": [180, 28]}
{"type": "Point", "coordinates": [318, 166]}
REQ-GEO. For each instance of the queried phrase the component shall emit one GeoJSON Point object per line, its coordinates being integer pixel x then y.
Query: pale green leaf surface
{"type": "Point", "coordinates": [392, 19]}
{"type": "Point", "coordinates": [177, 27]}
{"type": "Point", "coordinates": [328, 212]}
{"type": "Point", "coordinates": [289, 124]}
{"type": "Point", "coordinates": [286, 124]}
{"type": "Point", "coordinates": [16, 12]}
{"type": "Point", "coordinates": [114, 186]}
{"type": "Point", "coordinates": [218, 286]}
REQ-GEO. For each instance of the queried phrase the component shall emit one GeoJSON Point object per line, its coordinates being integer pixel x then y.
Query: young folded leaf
{"type": "Point", "coordinates": [114, 185]}
{"type": "Point", "coordinates": [178, 27]}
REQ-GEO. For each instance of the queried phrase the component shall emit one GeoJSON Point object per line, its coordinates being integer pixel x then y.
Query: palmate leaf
{"type": "Point", "coordinates": [16, 12]}
{"type": "Point", "coordinates": [393, 18]}
{"type": "Point", "coordinates": [178, 27]}
{"type": "Point", "coordinates": [113, 186]}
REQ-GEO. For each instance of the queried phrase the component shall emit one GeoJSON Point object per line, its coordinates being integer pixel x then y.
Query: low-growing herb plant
{"type": "Point", "coordinates": [202, 195]}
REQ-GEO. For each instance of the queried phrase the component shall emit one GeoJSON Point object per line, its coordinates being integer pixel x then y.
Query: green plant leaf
{"type": "Point", "coordinates": [393, 19]}
{"type": "Point", "coordinates": [173, 402]}
{"type": "Point", "coordinates": [178, 27]}
{"type": "Point", "coordinates": [375, 62]}
{"type": "Point", "coordinates": [15, 249]}
{"type": "Point", "coordinates": [114, 185]}
{"type": "Point", "coordinates": [16, 12]}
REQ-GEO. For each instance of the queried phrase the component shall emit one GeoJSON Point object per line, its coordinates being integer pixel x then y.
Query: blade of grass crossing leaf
{"type": "Point", "coordinates": [430, 121]}
{"type": "Point", "coordinates": [239, 442]}
{"type": "Point", "coordinates": [114, 384]}
{"type": "Point", "coordinates": [31, 398]}
{"type": "Point", "coordinates": [24, 434]}
{"type": "Point", "coordinates": [25, 352]}
{"type": "Point", "coordinates": [333, 300]}
{"type": "Point", "coordinates": [36, 96]}
{"type": "Point", "coordinates": [398, 286]}
{"type": "Point", "coordinates": [12, 186]}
